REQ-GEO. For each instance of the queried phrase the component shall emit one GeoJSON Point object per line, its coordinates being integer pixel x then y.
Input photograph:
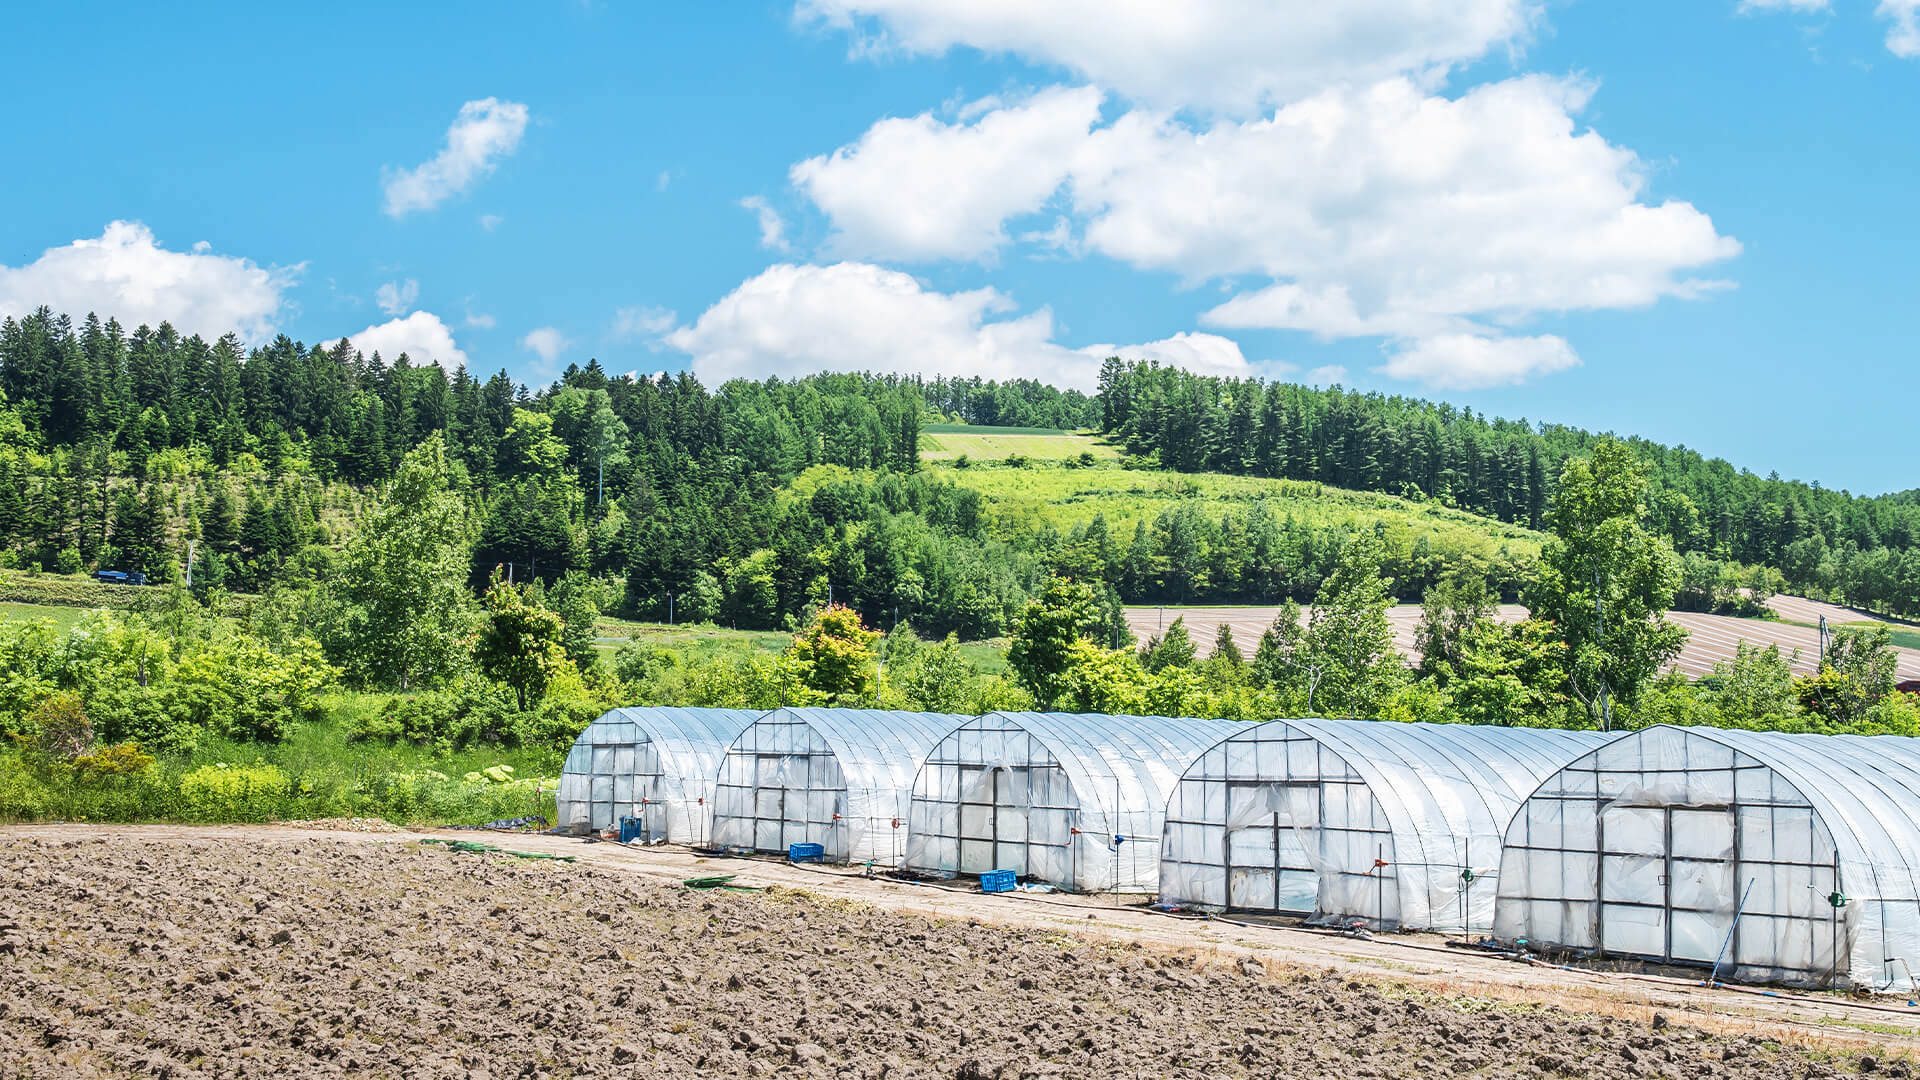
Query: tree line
{"type": "Point", "coordinates": [1821, 542]}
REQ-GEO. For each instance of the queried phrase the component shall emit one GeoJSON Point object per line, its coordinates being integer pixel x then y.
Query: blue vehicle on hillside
{"type": "Point", "coordinates": [120, 577]}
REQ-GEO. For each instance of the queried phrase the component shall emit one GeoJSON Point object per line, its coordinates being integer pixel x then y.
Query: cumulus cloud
{"type": "Point", "coordinates": [395, 297]}
{"type": "Point", "coordinates": [1903, 37]}
{"type": "Point", "coordinates": [773, 228]}
{"type": "Point", "coordinates": [490, 222]}
{"type": "Point", "coordinates": [1230, 55]}
{"type": "Point", "coordinates": [547, 343]}
{"type": "Point", "coordinates": [921, 188]}
{"type": "Point", "coordinates": [421, 335]}
{"type": "Point", "coordinates": [1327, 375]}
{"type": "Point", "coordinates": [484, 132]}
{"type": "Point", "coordinates": [1748, 7]}
{"type": "Point", "coordinates": [791, 320]}
{"type": "Point", "coordinates": [124, 273]}
{"type": "Point", "coordinates": [1377, 211]}
{"type": "Point", "coordinates": [1475, 362]}
{"type": "Point", "coordinates": [642, 321]}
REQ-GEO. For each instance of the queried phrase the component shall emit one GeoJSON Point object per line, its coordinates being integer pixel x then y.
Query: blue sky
{"type": "Point", "coordinates": [1689, 221]}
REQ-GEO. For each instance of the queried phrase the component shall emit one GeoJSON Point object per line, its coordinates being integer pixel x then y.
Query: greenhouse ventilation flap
{"type": "Point", "coordinates": [1074, 800]}
{"type": "Point", "coordinates": [654, 764]}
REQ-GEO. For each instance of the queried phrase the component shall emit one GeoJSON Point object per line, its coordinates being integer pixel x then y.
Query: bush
{"type": "Point", "coordinates": [58, 730]}
{"type": "Point", "coordinates": [112, 764]}
{"type": "Point", "coordinates": [225, 792]}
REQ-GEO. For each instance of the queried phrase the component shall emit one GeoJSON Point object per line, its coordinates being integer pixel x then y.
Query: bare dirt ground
{"type": "Point", "coordinates": [1712, 638]}
{"type": "Point", "coordinates": [181, 952]}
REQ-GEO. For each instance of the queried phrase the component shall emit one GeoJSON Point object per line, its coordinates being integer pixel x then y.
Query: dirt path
{"type": "Point", "coordinates": [153, 912]}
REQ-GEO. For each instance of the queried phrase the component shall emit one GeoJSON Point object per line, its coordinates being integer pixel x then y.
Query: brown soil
{"type": "Point", "coordinates": [181, 953]}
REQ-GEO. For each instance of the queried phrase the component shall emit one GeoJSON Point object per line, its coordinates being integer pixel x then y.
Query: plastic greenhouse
{"type": "Point", "coordinates": [1396, 825]}
{"type": "Point", "coordinates": [653, 764]}
{"type": "Point", "coordinates": [1778, 858]}
{"type": "Point", "coordinates": [839, 778]}
{"type": "Point", "coordinates": [1073, 800]}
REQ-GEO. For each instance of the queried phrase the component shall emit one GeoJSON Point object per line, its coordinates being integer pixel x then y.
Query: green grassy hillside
{"type": "Point", "coordinates": [984, 444]}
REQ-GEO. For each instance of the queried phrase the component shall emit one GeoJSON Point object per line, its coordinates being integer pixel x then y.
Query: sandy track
{"type": "Point", "coordinates": [183, 952]}
{"type": "Point", "coordinates": [1712, 637]}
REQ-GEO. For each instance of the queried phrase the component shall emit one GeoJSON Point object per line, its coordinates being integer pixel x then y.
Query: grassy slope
{"type": "Point", "coordinates": [997, 444]}
{"type": "Point", "coordinates": [1065, 496]}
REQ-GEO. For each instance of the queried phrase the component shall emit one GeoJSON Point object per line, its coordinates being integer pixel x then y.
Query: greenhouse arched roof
{"type": "Point", "coordinates": [631, 757]}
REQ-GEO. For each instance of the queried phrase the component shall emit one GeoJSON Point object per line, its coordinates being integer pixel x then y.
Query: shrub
{"type": "Point", "coordinates": [58, 730]}
{"type": "Point", "coordinates": [224, 792]}
{"type": "Point", "coordinates": [112, 763]}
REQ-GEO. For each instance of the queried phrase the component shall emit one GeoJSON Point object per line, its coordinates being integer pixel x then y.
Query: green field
{"type": "Point", "coordinates": [988, 445]}
{"type": "Point", "coordinates": [1064, 496]}
{"type": "Point", "coordinates": [705, 639]}
{"type": "Point", "coordinates": [61, 618]}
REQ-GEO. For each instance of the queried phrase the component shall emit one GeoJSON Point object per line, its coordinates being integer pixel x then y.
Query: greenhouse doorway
{"type": "Point", "coordinates": [611, 794]}
{"type": "Point", "coordinates": [995, 833]}
{"type": "Point", "coordinates": [1698, 885]}
{"type": "Point", "coordinates": [797, 799]}
{"type": "Point", "coordinates": [1268, 866]}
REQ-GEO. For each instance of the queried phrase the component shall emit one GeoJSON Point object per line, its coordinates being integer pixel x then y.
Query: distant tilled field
{"type": "Point", "coordinates": [1711, 638]}
{"type": "Point", "coordinates": [286, 957]}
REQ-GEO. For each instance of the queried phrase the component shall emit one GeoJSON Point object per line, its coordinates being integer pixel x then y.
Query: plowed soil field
{"type": "Point", "coordinates": [170, 953]}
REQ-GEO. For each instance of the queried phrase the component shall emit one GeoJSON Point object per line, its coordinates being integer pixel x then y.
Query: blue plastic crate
{"type": "Point", "coordinates": [630, 829]}
{"type": "Point", "coordinates": [806, 853]}
{"type": "Point", "coordinates": [997, 881]}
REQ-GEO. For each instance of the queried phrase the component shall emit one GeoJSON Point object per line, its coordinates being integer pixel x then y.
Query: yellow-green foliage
{"type": "Point", "coordinates": [223, 792]}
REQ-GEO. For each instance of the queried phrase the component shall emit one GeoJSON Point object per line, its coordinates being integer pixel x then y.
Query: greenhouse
{"type": "Point", "coordinates": [839, 778]}
{"type": "Point", "coordinates": [1072, 800]}
{"type": "Point", "coordinates": [653, 764]}
{"type": "Point", "coordinates": [1771, 857]}
{"type": "Point", "coordinates": [1394, 825]}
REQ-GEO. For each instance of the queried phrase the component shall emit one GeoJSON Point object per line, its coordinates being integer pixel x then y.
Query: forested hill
{"type": "Point", "coordinates": [130, 449]}
{"type": "Point", "coordinates": [1824, 542]}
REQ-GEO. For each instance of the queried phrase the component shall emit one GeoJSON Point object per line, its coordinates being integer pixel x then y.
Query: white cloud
{"type": "Point", "coordinates": [791, 320]}
{"type": "Point", "coordinates": [660, 182]}
{"type": "Point", "coordinates": [485, 131]}
{"type": "Point", "coordinates": [547, 343]}
{"type": "Point", "coordinates": [421, 335]}
{"type": "Point", "coordinates": [1326, 375]}
{"type": "Point", "coordinates": [395, 297]}
{"type": "Point", "coordinates": [1384, 211]}
{"type": "Point", "coordinates": [490, 222]}
{"type": "Point", "coordinates": [773, 230]}
{"type": "Point", "coordinates": [1903, 37]}
{"type": "Point", "coordinates": [1902, 16]}
{"type": "Point", "coordinates": [478, 320]}
{"type": "Point", "coordinates": [642, 321]}
{"type": "Point", "coordinates": [1232, 55]}
{"type": "Point", "coordinates": [124, 273]}
{"type": "Point", "coordinates": [921, 188]}
{"type": "Point", "coordinates": [1475, 362]}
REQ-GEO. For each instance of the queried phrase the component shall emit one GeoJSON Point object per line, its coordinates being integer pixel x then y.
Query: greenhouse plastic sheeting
{"type": "Point", "coordinates": [1073, 800]}
{"type": "Point", "coordinates": [840, 778]}
{"type": "Point", "coordinates": [1649, 846]}
{"type": "Point", "coordinates": [1396, 825]}
{"type": "Point", "coordinates": [654, 764]}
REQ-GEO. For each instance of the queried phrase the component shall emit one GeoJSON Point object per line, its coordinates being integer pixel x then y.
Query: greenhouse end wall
{"type": "Point", "coordinates": [654, 764]}
{"type": "Point", "coordinates": [1072, 800]}
{"type": "Point", "coordinates": [1780, 858]}
{"type": "Point", "coordinates": [1394, 825]}
{"type": "Point", "coordinates": [840, 778]}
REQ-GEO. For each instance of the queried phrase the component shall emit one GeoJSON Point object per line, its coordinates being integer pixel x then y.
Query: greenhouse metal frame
{"type": "Point", "coordinates": [654, 764]}
{"type": "Point", "coordinates": [1768, 857]}
{"type": "Point", "coordinates": [1393, 825]}
{"type": "Point", "coordinates": [1073, 800]}
{"type": "Point", "coordinates": [840, 778]}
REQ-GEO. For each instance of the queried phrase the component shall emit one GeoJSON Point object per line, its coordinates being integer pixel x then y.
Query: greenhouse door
{"type": "Point", "coordinates": [650, 789]}
{"type": "Point", "coordinates": [993, 820]}
{"type": "Point", "coordinates": [1666, 881]}
{"type": "Point", "coordinates": [611, 785]}
{"type": "Point", "coordinates": [1267, 864]}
